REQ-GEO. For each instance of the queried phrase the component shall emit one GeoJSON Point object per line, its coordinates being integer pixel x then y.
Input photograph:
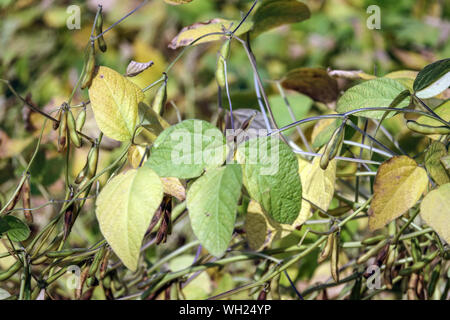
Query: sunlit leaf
{"type": "Point", "coordinates": [435, 210]}
{"type": "Point", "coordinates": [212, 203]}
{"type": "Point", "coordinates": [124, 210]}
{"type": "Point", "coordinates": [399, 184]}
{"type": "Point", "coordinates": [186, 149]}
{"type": "Point", "coordinates": [376, 93]}
{"type": "Point", "coordinates": [115, 101]}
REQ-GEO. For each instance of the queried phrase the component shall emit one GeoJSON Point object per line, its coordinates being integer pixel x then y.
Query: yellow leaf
{"type": "Point", "coordinates": [399, 184]}
{"type": "Point", "coordinates": [435, 210]}
{"type": "Point", "coordinates": [173, 187]}
{"type": "Point", "coordinates": [115, 101]}
{"type": "Point", "coordinates": [124, 210]}
{"type": "Point", "coordinates": [318, 186]}
{"type": "Point", "coordinates": [135, 155]}
{"type": "Point", "coordinates": [442, 111]}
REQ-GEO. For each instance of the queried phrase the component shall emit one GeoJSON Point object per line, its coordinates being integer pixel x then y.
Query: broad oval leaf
{"type": "Point", "coordinates": [435, 88]}
{"type": "Point", "coordinates": [124, 210]}
{"type": "Point", "coordinates": [191, 33]}
{"type": "Point", "coordinates": [16, 229]}
{"type": "Point", "coordinates": [376, 93]}
{"type": "Point", "coordinates": [431, 73]}
{"type": "Point", "coordinates": [435, 210]}
{"type": "Point", "coordinates": [313, 82]}
{"type": "Point", "coordinates": [274, 13]}
{"type": "Point", "coordinates": [436, 151]}
{"type": "Point", "coordinates": [186, 149]}
{"type": "Point", "coordinates": [115, 101]}
{"type": "Point", "coordinates": [398, 185]}
{"type": "Point", "coordinates": [212, 202]}
{"type": "Point", "coordinates": [270, 171]}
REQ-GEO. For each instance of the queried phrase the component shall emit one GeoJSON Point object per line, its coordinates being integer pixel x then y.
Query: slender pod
{"type": "Point", "coordinates": [427, 129]}
{"type": "Point", "coordinates": [97, 261]}
{"type": "Point", "coordinates": [326, 249]}
{"type": "Point", "coordinates": [220, 70]}
{"type": "Point", "coordinates": [62, 137]}
{"type": "Point", "coordinates": [72, 127]}
{"type": "Point", "coordinates": [333, 146]}
{"type": "Point", "coordinates": [99, 30]}
{"type": "Point", "coordinates": [81, 119]}
{"type": "Point", "coordinates": [89, 66]}
{"type": "Point", "coordinates": [334, 262]}
{"type": "Point", "coordinates": [161, 97]}
{"type": "Point", "coordinates": [26, 200]}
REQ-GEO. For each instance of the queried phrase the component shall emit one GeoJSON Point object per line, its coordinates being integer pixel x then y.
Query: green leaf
{"type": "Point", "coordinates": [115, 101]}
{"type": "Point", "coordinates": [191, 33]}
{"type": "Point", "coordinates": [124, 210]}
{"type": "Point", "coordinates": [270, 171]}
{"type": "Point", "coordinates": [274, 13]}
{"type": "Point", "coordinates": [212, 203]}
{"type": "Point", "coordinates": [435, 210]}
{"type": "Point", "coordinates": [399, 184]}
{"type": "Point", "coordinates": [437, 171]}
{"type": "Point", "coordinates": [14, 228]}
{"type": "Point", "coordinates": [186, 149]}
{"type": "Point", "coordinates": [313, 82]}
{"type": "Point", "coordinates": [431, 73]}
{"type": "Point", "coordinates": [376, 93]}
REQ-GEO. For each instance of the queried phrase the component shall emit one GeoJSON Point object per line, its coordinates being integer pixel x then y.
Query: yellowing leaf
{"type": "Point", "coordinates": [135, 155]}
{"type": "Point", "coordinates": [398, 185]}
{"type": "Point", "coordinates": [124, 210]}
{"type": "Point", "coordinates": [435, 210]}
{"type": "Point", "coordinates": [115, 101]}
{"type": "Point", "coordinates": [173, 187]}
{"type": "Point", "coordinates": [437, 171]}
{"type": "Point", "coordinates": [318, 186]}
{"type": "Point", "coordinates": [260, 230]}
{"type": "Point", "coordinates": [189, 34]}
{"type": "Point", "coordinates": [442, 111]}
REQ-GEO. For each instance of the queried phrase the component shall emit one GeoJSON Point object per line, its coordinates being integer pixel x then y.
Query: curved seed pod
{"type": "Point", "coordinates": [82, 174]}
{"type": "Point", "coordinates": [55, 124]}
{"type": "Point", "coordinates": [93, 160]}
{"type": "Point", "coordinates": [373, 240]}
{"type": "Point", "coordinates": [415, 250]}
{"type": "Point", "coordinates": [372, 251]}
{"type": "Point", "coordinates": [426, 129]}
{"type": "Point", "coordinates": [334, 262]}
{"type": "Point", "coordinates": [5, 275]}
{"type": "Point", "coordinates": [392, 255]}
{"type": "Point", "coordinates": [70, 214]}
{"type": "Point", "coordinates": [89, 66]}
{"type": "Point", "coordinates": [104, 263]}
{"type": "Point", "coordinates": [332, 147]}
{"type": "Point", "coordinates": [434, 279]}
{"type": "Point", "coordinates": [71, 125]}
{"type": "Point", "coordinates": [26, 200]}
{"type": "Point", "coordinates": [99, 30]}
{"type": "Point", "coordinates": [419, 265]}
{"type": "Point", "coordinates": [160, 98]}
{"type": "Point", "coordinates": [62, 138]}
{"type": "Point", "coordinates": [97, 261]}
{"type": "Point", "coordinates": [220, 70]}
{"type": "Point", "coordinates": [81, 119]}
{"type": "Point", "coordinates": [326, 249]}
{"type": "Point", "coordinates": [82, 280]}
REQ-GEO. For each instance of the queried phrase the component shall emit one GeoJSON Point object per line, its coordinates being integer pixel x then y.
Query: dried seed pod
{"type": "Point", "coordinates": [62, 137]}
{"type": "Point", "coordinates": [333, 146]}
{"type": "Point", "coordinates": [81, 119]}
{"type": "Point", "coordinates": [89, 66]}
{"type": "Point", "coordinates": [15, 199]}
{"type": "Point", "coordinates": [160, 98]}
{"type": "Point", "coordinates": [334, 262]}
{"type": "Point", "coordinates": [426, 129]}
{"type": "Point", "coordinates": [71, 125]}
{"type": "Point", "coordinates": [391, 257]}
{"type": "Point", "coordinates": [99, 30]}
{"type": "Point", "coordinates": [412, 284]}
{"type": "Point", "coordinates": [220, 70]}
{"type": "Point", "coordinates": [326, 249]}
{"type": "Point", "coordinates": [26, 200]}
{"type": "Point", "coordinates": [70, 214]}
